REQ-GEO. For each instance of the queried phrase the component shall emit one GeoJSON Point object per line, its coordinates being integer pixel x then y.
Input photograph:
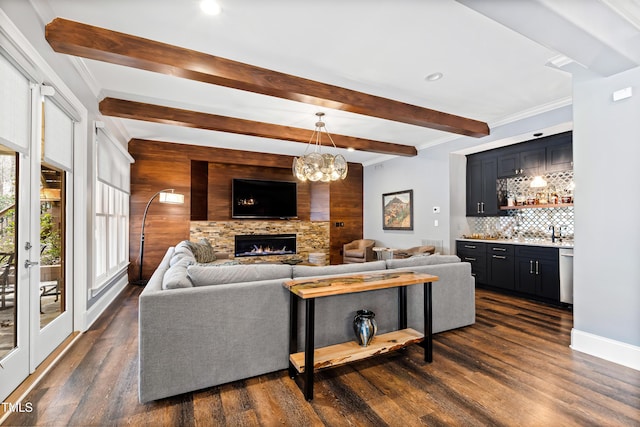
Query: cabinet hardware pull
{"type": "Point", "coordinates": [530, 267]}
{"type": "Point", "coordinates": [499, 257]}
{"type": "Point", "coordinates": [469, 246]}
{"type": "Point", "coordinates": [482, 203]}
{"type": "Point", "coordinates": [499, 249]}
{"type": "Point", "coordinates": [537, 268]}
{"type": "Point", "coordinates": [470, 259]}
{"type": "Point", "coordinates": [478, 207]}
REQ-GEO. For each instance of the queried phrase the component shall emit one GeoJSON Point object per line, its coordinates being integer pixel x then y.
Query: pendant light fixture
{"type": "Point", "coordinates": [316, 166]}
{"type": "Point", "coordinates": [538, 182]}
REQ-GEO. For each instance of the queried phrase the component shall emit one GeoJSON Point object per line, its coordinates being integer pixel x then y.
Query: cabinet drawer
{"type": "Point", "coordinates": [475, 248]}
{"type": "Point", "coordinates": [499, 250]}
{"type": "Point", "coordinates": [536, 252]}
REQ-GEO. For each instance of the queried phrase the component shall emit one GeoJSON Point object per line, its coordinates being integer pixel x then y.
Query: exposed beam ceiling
{"type": "Point", "coordinates": [101, 44]}
{"type": "Point", "coordinates": [187, 118]}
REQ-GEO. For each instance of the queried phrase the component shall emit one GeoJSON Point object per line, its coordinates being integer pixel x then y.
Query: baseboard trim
{"type": "Point", "coordinates": [614, 351]}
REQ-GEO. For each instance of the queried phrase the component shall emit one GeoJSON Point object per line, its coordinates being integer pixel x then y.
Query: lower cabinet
{"type": "Point", "coordinates": [475, 254]}
{"type": "Point", "coordinates": [500, 266]}
{"type": "Point", "coordinates": [537, 272]}
{"type": "Point", "coordinates": [531, 271]}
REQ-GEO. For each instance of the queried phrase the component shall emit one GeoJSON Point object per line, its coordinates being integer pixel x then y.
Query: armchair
{"type": "Point", "coordinates": [358, 251]}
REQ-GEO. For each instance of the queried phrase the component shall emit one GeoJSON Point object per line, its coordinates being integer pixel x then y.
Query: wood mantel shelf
{"type": "Point", "coordinates": [548, 206]}
{"type": "Point", "coordinates": [340, 354]}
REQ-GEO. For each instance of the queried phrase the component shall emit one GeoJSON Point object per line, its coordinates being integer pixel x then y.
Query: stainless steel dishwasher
{"type": "Point", "coordinates": [566, 275]}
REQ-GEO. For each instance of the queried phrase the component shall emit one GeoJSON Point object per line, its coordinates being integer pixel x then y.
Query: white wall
{"type": "Point", "coordinates": [428, 176]}
{"type": "Point", "coordinates": [606, 152]}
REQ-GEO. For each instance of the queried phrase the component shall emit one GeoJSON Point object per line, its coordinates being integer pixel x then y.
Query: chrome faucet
{"type": "Point", "coordinates": [553, 234]}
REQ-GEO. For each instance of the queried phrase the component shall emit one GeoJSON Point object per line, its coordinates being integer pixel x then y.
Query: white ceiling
{"type": "Point", "coordinates": [381, 47]}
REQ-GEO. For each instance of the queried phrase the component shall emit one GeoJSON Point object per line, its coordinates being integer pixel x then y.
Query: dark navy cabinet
{"type": "Point", "coordinates": [482, 196]}
{"type": "Point", "coordinates": [475, 254]}
{"type": "Point", "coordinates": [537, 272]}
{"type": "Point", "coordinates": [500, 265]}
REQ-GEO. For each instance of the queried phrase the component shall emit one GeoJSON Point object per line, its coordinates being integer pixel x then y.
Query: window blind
{"type": "Point", "coordinates": [15, 107]}
{"type": "Point", "coordinates": [113, 163]}
{"type": "Point", "coordinates": [58, 137]}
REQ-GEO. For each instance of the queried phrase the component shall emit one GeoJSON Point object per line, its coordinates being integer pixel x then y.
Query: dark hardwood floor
{"type": "Point", "coordinates": [513, 367]}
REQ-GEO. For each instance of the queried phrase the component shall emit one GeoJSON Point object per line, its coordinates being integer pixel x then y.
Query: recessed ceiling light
{"type": "Point", "coordinates": [210, 7]}
{"type": "Point", "coordinates": [351, 149]}
{"type": "Point", "coordinates": [433, 77]}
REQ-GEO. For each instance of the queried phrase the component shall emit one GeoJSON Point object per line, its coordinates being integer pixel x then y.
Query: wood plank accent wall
{"type": "Point", "coordinates": [159, 165]}
{"type": "Point", "coordinates": [346, 206]}
{"type": "Point", "coordinates": [220, 177]}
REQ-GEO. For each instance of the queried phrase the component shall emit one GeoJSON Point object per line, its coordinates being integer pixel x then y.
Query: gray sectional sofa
{"type": "Point", "coordinates": [201, 325]}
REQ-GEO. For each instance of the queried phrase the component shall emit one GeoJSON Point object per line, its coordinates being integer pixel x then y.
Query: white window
{"type": "Point", "coordinates": [111, 231]}
{"type": "Point", "coordinates": [112, 208]}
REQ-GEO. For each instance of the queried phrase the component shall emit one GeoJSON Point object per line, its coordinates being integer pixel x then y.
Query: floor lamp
{"type": "Point", "coordinates": [166, 196]}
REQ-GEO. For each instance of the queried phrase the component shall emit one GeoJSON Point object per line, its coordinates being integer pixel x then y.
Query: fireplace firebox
{"type": "Point", "coordinates": [265, 244]}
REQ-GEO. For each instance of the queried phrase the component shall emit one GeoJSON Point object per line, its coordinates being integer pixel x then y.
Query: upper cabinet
{"type": "Point", "coordinates": [482, 198]}
{"type": "Point", "coordinates": [550, 154]}
{"type": "Point", "coordinates": [537, 157]}
{"type": "Point", "coordinates": [526, 163]}
{"type": "Point", "coordinates": [559, 153]}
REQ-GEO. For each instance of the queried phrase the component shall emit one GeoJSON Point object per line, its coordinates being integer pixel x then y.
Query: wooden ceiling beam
{"type": "Point", "coordinates": [101, 44]}
{"type": "Point", "coordinates": [174, 116]}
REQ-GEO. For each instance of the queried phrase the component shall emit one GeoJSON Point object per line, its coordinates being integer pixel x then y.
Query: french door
{"type": "Point", "coordinates": [35, 286]}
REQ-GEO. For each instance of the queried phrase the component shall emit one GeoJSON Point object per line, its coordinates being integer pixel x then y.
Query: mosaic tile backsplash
{"type": "Point", "coordinates": [534, 222]}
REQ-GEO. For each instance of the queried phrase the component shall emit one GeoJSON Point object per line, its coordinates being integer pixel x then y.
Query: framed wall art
{"type": "Point", "coordinates": [397, 210]}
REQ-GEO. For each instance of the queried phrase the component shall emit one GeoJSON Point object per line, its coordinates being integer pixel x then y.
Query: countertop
{"type": "Point", "coordinates": [527, 241]}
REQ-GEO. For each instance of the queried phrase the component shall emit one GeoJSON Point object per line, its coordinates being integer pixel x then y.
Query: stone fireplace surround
{"type": "Point", "coordinates": [311, 236]}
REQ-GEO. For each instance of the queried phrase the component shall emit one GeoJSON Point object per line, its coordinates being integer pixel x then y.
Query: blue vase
{"type": "Point", "coordinates": [364, 326]}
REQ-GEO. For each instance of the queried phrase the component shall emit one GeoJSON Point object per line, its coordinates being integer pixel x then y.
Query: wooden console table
{"type": "Point", "coordinates": [334, 355]}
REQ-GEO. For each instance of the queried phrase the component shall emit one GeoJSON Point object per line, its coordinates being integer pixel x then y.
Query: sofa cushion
{"type": "Point", "coordinates": [421, 260]}
{"type": "Point", "coordinates": [212, 275]}
{"type": "Point", "coordinates": [176, 276]}
{"type": "Point", "coordinates": [310, 271]}
{"type": "Point", "coordinates": [177, 257]}
{"type": "Point", "coordinates": [183, 247]}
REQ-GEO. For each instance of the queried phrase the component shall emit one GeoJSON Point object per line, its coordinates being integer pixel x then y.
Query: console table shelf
{"type": "Point", "coordinates": [340, 354]}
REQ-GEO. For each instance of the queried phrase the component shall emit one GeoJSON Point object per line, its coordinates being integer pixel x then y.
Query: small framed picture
{"type": "Point", "coordinates": [397, 210]}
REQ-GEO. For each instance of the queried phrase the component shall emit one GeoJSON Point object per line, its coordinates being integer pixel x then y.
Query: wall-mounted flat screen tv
{"type": "Point", "coordinates": [252, 198]}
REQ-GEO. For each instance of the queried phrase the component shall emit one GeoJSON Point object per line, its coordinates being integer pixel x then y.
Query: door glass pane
{"type": "Point", "coordinates": [8, 208]}
{"type": "Point", "coordinates": [52, 232]}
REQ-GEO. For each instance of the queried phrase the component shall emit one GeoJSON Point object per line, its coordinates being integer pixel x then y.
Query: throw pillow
{"type": "Point", "coordinates": [203, 251]}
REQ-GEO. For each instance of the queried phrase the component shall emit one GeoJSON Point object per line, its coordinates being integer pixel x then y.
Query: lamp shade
{"type": "Point", "coordinates": [172, 198]}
